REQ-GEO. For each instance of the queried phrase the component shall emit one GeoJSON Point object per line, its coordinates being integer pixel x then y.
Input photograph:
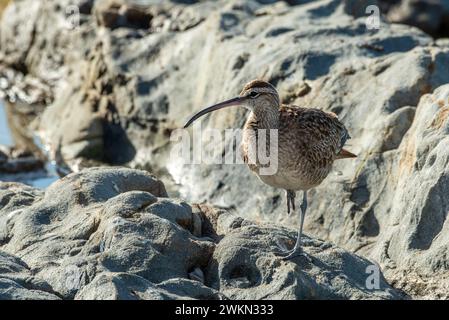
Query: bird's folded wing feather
{"type": "Point", "coordinates": [316, 130]}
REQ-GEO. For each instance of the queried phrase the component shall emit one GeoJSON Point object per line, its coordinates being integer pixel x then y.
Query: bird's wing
{"type": "Point", "coordinates": [316, 129]}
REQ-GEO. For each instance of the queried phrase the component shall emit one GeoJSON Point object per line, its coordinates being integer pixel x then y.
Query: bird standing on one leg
{"type": "Point", "coordinates": [309, 140]}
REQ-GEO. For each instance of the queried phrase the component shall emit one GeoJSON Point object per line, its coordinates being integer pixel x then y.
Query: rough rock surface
{"type": "Point", "coordinates": [431, 16]}
{"type": "Point", "coordinates": [413, 231]}
{"type": "Point", "coordinates": [129, 85]}
{"type": "Point", "coordinates": [17, 282]}
{"type": "Point", "coordinates": [245, 266]}
{"type": "Point", "coordinates": [111, 233]}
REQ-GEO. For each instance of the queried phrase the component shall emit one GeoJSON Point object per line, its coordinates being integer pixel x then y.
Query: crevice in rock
{"type": "Point", "coordinates": [369, 225]}
{"type": "Point", "coordinates": [432, 216]}
{"type": "Point", "coordinates": [244, 276]}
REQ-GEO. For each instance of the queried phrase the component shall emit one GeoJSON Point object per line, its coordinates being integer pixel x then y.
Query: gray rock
{"type": "Point", "coordinates": [111, 233]}
{"type": "Point", "coordinates": [17, 160]}
{"type": "Point", "coordinates": [17, 282]}
{"type": "Point", "coordinates": [118, 14]}
{"type": "Point", "coordinates": [3, 157]}
{"type": "Point", "coordinates": [24, 164]}
{"type": "Point", "coordinates": [413, 239]}
{"type": "Point", "coordinates": [100, 220]}
{"type": "Point", "coordinates": [28, 89]}
{"type": "Point", "coordinates": [123, 88]}
{"type": "Point", "coordinates": [430, 16]}
{"type": "Point", "coordinates": [123, 286]}
{"type": "Point", "coordinates": [245, 266]}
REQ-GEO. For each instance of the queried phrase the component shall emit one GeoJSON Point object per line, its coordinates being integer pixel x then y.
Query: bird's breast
{"type": "Point", "coordinates": [287, 164]}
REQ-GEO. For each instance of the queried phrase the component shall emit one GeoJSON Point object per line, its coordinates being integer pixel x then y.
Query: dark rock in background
{"type": "Point", "coordinates": [432, 16]}
{"type": "Point", "coordinates": [13, 160]}
{"type": "Point", "coordinates": [122, 86]}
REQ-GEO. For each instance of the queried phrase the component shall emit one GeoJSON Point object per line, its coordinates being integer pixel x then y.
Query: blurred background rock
{"type": "Point", "coordinates": [108, 86]}
{"type": "Point", "coordinates": [3, 4]}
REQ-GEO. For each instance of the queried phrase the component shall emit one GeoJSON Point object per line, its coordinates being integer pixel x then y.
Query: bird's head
{"type": "Point", "coordinates": [256, 95]}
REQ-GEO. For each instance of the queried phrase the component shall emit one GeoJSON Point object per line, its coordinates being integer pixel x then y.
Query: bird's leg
{"type": "Point", "coordinates": [290, 200]}
{"type": "Point", "coordinates": [297, 250]}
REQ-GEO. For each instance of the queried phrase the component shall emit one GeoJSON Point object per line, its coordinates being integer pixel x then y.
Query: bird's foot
{"type": "Point", "coordinates": [293, 253]}
{"type": "Point", "coordinates": [290, 254]}
{"type": "Point", "coordinates": [297, 253]}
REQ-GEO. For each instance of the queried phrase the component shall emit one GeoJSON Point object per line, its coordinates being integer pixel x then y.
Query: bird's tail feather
{"type": "Point", "coordinates": [343, 154]}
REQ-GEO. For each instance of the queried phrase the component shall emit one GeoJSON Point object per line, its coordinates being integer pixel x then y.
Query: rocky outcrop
{"type": "Point", "coordinates": [15, 160]}
{"type": "Point", "coordinates": [413, 237]}
{"type": "Point", "coordinates": [111, 233]}
{"type": "Point", "coordinates": [18, 283]}
{"type": "Point", "coordinates": [244, 266]}
{"type": "Point", "coordinates": [128, 75]}
{"type": "Point", "coordinates": [430, 16]}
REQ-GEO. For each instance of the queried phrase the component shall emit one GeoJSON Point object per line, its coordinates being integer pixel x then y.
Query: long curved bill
{"type": "Point", "coordinates": [228, 103]}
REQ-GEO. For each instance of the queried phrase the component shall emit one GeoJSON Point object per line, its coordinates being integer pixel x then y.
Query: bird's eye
{"type": "Point", "coordinates": [253, 94]}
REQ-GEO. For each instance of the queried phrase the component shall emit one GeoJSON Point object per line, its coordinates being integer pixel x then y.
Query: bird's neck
{"type": "Point", "coordinates": [266, 118]}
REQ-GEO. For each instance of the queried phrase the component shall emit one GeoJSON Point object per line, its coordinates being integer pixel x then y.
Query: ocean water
{"type": "Point", "coordinates": [40, 178]}
{"type": "Point", "coordinates": [5, 135]}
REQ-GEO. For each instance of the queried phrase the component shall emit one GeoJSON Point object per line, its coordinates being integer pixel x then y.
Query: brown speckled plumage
{"type": "Point", "coordinates": [309, 141]}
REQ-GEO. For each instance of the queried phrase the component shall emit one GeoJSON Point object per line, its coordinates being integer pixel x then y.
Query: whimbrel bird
{"type": "Point", "coordinates": [309, 140]}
